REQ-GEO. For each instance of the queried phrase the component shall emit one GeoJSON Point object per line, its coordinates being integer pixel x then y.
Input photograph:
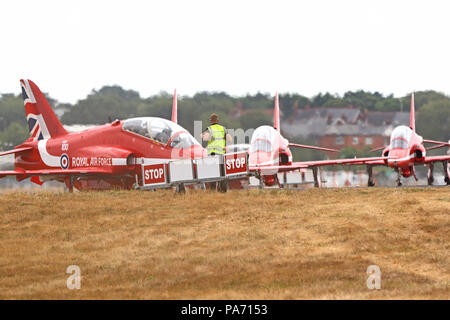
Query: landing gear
{"type": "Point", "coordinates": [69, 183]}
{"type": "Point", "coordinates": [413, 170]}
{"type": "Point", "coordinates": [399, 176]}
{"type": "Point", "coordinates": [316, 179]}
{"type": "Point", "coordinates": [136, 182]}
{"type": "Point", "coordinates": [222, 186]}
{"type": "Point", "coordinates": [180, 188]}
{"type": "Point", "coordinates": [370, 182]}
{"type": "Point", "coordinates": [261, 181]}
{"type": "Point", "coordinates": [284, 184]}
{"type": "Point", "coordinates": [430, 173]}
{"type": "Point", "coordinates": [446, 173]}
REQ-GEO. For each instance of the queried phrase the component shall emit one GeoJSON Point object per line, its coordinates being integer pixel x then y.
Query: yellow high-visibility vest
{"type": "Point", "coordinates": [216, 143]}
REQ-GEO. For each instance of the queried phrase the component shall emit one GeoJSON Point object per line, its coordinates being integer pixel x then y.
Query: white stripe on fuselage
{"type": "Point", "coordinates": [268, 162]}
{"type": "Point", "coordinates": [48, 159]}
{"type": "Point", "coordinates": [275, 161]}
{"type": "Point", "coordinates": [147, 161]}
{"type": "Point", "coordinates": [119, 161]}
{"type": "Point", "coordinates": [54, 161]}
{"type": "Point", "coordinates": [143, 161]}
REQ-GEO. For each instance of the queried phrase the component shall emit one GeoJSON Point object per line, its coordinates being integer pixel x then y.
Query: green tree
{"type": "Point", "coordinates": [320, 99]}
{"type": "Point", "coordinates": [255, 118]}
{"type": "Point", "coordinates": [157, 106]}
{"type": "Point", "coordinates": [290, 101]}
{"type": "Point", "coordinates": [335, 103]}
{"type": "Point", "coordinates": [433, 120]}
{"type": "Point", "coordinates": [109, 102]}
{"type": "Point", "coordinates": [388, 104]}
{"type": "Point", "coordinates": [421, 98]}
{"type": "Point", "coordinates": [363, 99]}
{"type": "Point", "coordinates": [257, 101]}
{"type": "Point", "coordinates": [11, 110]}
{"type": "Point", "coordinates": [15, 134]}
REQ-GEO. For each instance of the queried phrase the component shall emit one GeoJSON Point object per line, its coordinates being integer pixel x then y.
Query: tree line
{"type": "Point", "coordinates": [114, 102]}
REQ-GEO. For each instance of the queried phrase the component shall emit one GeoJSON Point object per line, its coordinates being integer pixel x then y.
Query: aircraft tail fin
{"type": "Point", "coordinates": [276, 114]}
{"type": "Point", "coordinates": [175, 107]}
{"type": "Point", "coordinates": [412, 119]}
{"type": "Point", "coordinates": [42, 121]}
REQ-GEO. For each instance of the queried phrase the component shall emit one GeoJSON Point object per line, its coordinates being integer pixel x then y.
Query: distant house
{"type": "Point", "coordinates": [355, 135]}
{"type": "Point", "coordinates": [378, 118]}
{"type": "Point", "coordinates": [313, 122]}
{"type": "Point", "coordinates": [332, 115]}
{"type": "Point", "coordinates": [339, 128]}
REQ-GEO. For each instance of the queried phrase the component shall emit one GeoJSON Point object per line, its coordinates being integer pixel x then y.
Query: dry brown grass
{"type": "Point", "coordinates": [269, 244]}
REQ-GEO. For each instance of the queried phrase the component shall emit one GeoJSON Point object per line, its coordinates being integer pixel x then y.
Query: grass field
{"type": "Point", "coordinates": [269, 244]}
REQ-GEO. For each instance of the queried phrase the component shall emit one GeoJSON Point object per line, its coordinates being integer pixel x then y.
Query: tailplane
{"type": "Point", "coordinates": [412, 119]}
{"type": "Point", "coordinates": [42, 121]}
{"type": "Point", "coordinates": [276, 114]}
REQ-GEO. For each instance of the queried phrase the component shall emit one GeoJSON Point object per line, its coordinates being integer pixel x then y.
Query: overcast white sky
{"type": "Point", "coordinates": [71, 47]}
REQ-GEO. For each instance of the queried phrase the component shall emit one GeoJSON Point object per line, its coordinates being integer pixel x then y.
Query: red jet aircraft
{"type": "Point", "coordinates": [269, 152]}
{"type": "Point", "coordinates": [103, 157]}
{"type": "Point", "coordinates": [405, 150]}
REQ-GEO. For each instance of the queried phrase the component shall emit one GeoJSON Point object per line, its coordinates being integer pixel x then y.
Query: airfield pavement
{"type": "Point", "coordinates": [254, 244]}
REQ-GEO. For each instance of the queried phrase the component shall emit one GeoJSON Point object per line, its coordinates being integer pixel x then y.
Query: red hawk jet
{"type": "Point", "coordinates": [103, 157]}
{"type": "Point", "coordinates": [269, 153]}
{"type": "Point", "coordinates": [406, 149]}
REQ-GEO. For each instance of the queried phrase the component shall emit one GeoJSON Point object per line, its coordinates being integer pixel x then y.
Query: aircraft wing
{"type": "Point", "coordinates": [437, 158]}
{"type": "Point", "coordinates": [18, 150]}
{"type": "Point", "coordinates": [310, 164]}
{"type": "Point", "coordinates": [312, 147]}
{"type": "Point", "coordinates": [43, 172]}
{"type": "Point", "coordinates": [437, 142]}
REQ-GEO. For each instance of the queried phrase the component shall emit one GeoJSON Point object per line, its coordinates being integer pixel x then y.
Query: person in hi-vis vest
{"type": "Point", "coordinates": [217, 136]}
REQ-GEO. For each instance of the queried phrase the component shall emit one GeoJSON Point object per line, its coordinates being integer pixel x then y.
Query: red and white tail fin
{"type": "Point", "coordinates": [276, 114]}
{"type": "Point", "coordinates": [175, 108]}
{"type": "Point", "coordinates": [42, 121]}
{"type": "Point", "coordinates": [412, 115]}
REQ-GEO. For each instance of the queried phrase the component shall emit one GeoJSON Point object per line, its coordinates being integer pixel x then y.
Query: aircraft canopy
{"type": "Point", "coordinates": [400, 137]}
{"type": "Point", "coordinates": [161, 130]}
{"type": "Point", "coordinates": [263, 139]}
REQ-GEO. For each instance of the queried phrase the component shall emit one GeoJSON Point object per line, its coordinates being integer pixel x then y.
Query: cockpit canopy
{"type": "Point", "coordinates": [264, 139]}
{"type": "Point", "coordinates": [160, 130]}
{"type": "Point", "coordinates": [400, 137]}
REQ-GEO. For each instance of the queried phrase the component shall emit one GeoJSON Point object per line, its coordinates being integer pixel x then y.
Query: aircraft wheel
{"type": "Point", "coordinates": [399, 184]}
{"type": "Point", "coordinates": [223, 186]}
{"type": "Point", "coordinates": [370, 184]}
{"type": "Point", "coordinates": [180, 188]}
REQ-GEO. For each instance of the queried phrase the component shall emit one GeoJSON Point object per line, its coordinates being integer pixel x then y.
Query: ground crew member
{"type": "Point", "coordinates": [217, 138]}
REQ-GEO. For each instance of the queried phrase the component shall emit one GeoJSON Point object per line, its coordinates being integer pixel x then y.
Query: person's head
{"type": "Point", "coordinates": [213, 119]}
